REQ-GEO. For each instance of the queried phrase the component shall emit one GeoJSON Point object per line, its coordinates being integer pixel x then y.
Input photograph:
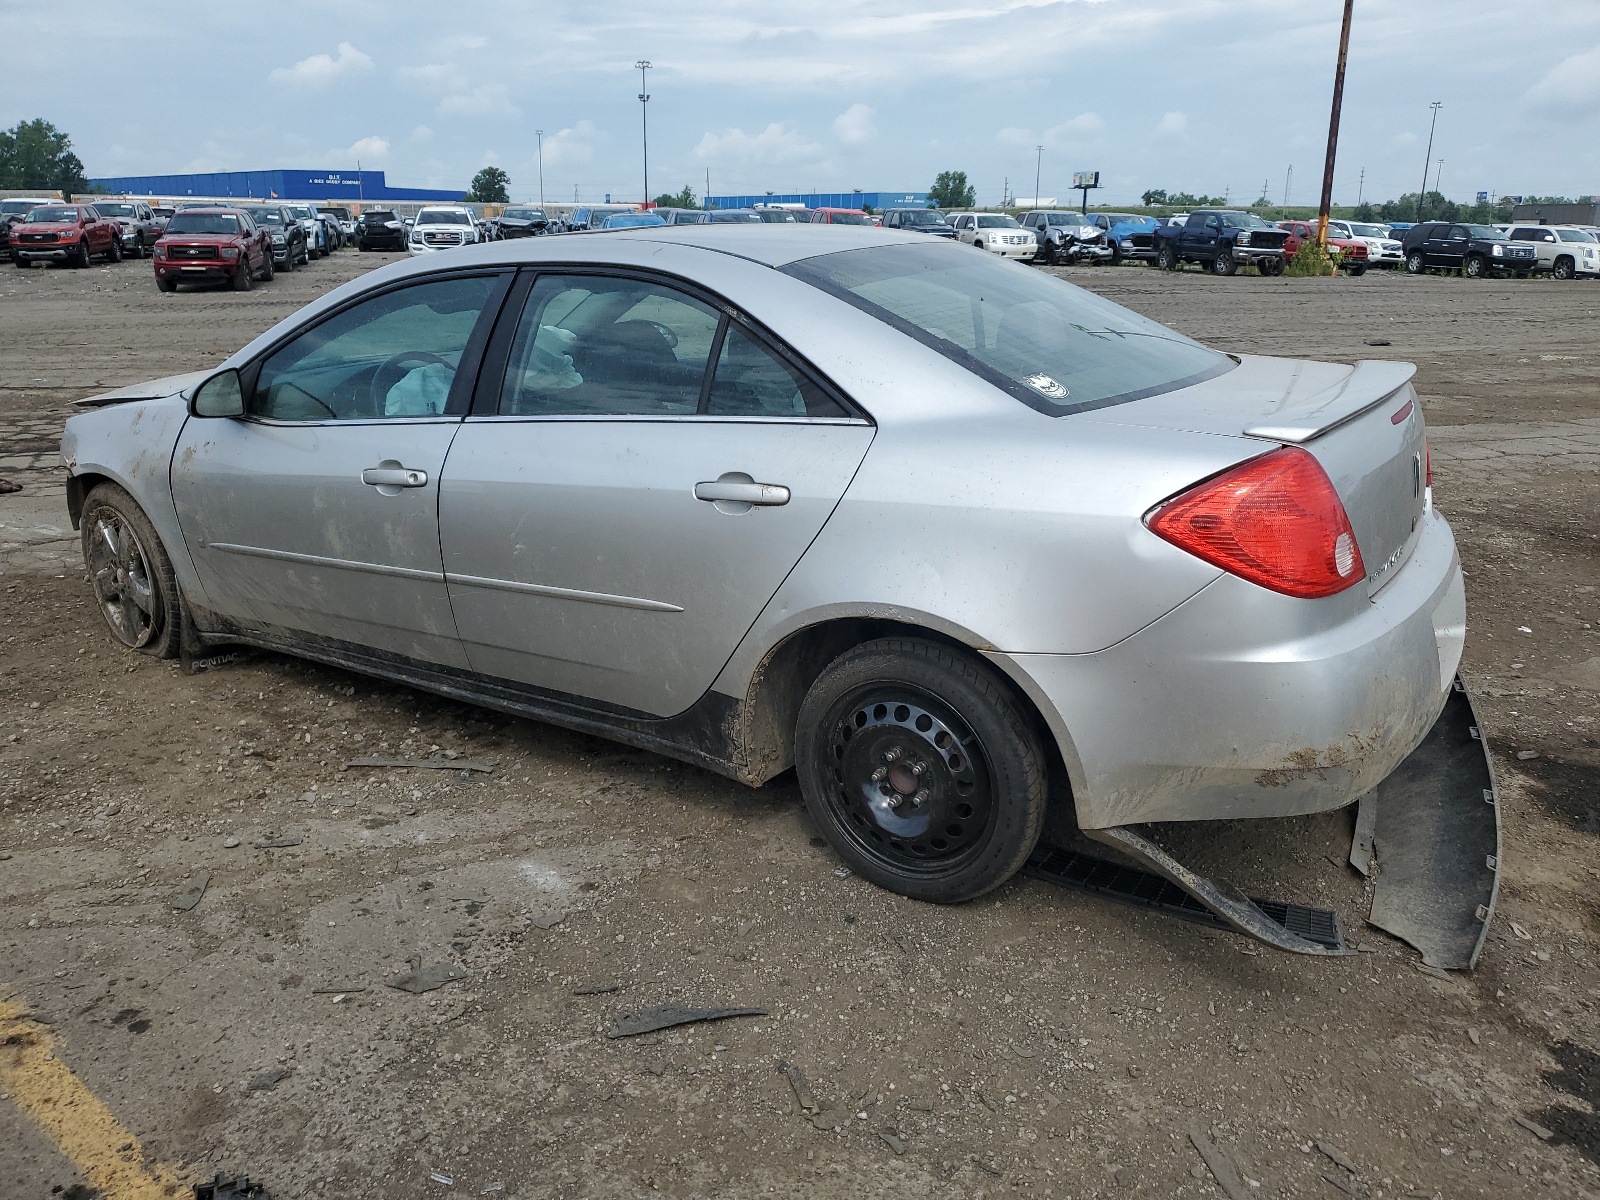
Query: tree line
{"type": "Point", "coordinates": [36, 156]}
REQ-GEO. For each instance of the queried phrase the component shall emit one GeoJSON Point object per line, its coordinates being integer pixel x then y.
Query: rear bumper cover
{"type": "Point", "coordinates": [1235, 705]}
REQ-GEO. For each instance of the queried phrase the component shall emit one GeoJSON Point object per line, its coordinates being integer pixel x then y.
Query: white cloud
{"type": "Point", "coordinates": [855, 125]}
{"type": "Point", "coordinates": [574, 145]}
{"type": "Point", "coordinates": [1172, 124]}
{"type": "Point", "coordinates": [776, 145]}
{"type": "Point", "coordinates": [485, 100]}
{"type": "Point", "coordinates": [1080, 128]}
{"type": "Point", "coordinates": [422, 134]}
{"type": "Point", "coordinates": [1571, 86]}
{"type": "Point", "coordinates": [367, 150]}
{"type": "Point", "coordinates": [322, 70]}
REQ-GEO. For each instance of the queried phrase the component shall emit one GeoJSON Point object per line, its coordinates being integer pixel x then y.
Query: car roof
{"type": "Point", "coordinates": [212, 209]}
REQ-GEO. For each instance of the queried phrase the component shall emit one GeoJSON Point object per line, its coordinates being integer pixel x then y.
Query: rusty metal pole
{"type": "Point", "coordinates": [1333, 129]}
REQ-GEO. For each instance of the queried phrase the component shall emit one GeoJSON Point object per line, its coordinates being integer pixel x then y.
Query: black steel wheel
{"type": "Point", "coordinates": [131, 573]}
{"type": "Point", "coordinates": [920, 770]}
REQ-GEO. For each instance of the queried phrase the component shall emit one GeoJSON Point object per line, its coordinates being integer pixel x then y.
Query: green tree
{"type": "Point", "coordinates": [35, 155]}
{"type": "Point", "coordinates": [489, 186]}
{"type": "Point", "coordinates": [951, 190]}
{"type": "Point", "coordinates": [683, 199]}
{"type": "Point", "coordinates": [1154, 198]}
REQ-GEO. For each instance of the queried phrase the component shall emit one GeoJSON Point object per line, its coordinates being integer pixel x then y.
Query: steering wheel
{"type": "Point", "coordinates": [390, 373]}
{"type": "Point", "coordinates": [663, 330]}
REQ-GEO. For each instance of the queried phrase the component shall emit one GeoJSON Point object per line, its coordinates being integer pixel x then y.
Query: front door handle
{"type": "Point", "coordinates": [394, 477]}
{"type": "Point", "coordinates": [740, 489]}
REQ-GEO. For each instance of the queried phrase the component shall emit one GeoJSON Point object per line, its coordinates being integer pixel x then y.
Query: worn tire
{"type": "Point", "coordinates": [109, 509]}
{"type": "Point", "coordinates": [947, 724]}
{"type": "Point", "coordinates": [1167, 259]}
{"type": "Point", "coordinates": [1416, 264]}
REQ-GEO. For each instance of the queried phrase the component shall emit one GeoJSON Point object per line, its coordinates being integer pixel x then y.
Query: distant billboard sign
{"type": "Point", "coordinates": [1085, 179]}
{"type": "Point", "coordinates": [1483, 197]}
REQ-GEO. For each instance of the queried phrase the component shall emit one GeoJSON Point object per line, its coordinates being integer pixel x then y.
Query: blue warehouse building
{"type": "Point", "coordinates": [321, 186]}
{"type": "Point", "coordinates": [878, 200]}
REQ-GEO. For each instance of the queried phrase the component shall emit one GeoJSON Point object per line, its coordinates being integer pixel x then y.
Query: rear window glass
{"type": "Point", "coordinates": [1054, 346]}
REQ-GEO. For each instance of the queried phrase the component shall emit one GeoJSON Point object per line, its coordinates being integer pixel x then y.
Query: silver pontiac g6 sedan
{"type": "Point", "coordinates": [951, 537]}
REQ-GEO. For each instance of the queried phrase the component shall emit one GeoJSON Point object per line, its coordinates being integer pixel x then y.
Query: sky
{"type": "Point", "coordinates": [1205, 96]}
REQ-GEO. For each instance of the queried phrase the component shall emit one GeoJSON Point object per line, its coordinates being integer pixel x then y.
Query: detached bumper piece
{"type": "Point", "coordinates": [225, 1188]}
{"type": "Point", "coordinates": [1436, 836]}
{"type": "Point", "coordinates": [1288, 926]}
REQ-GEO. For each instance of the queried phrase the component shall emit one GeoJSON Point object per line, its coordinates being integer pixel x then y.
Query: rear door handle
{"type": "Point", "coordinates": [399, 477]}
{"type": "Point", "coordinates": [738, 491]}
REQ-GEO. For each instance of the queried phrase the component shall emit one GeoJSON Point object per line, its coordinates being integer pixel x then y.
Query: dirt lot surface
{"type": "Point", "coordinates": [1034, 1043]}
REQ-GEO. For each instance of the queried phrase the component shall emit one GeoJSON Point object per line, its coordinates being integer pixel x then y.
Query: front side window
{"type": "Point", "coordinates": [394, 355]}
{"type": "Point", "coordinates": [1486, 233]}
{"type": "Point", "coordinates": [1054, 346]}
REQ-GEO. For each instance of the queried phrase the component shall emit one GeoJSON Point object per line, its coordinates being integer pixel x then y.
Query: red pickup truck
{"type": "Point", "coordinates": [1353, 253]}
{"type": "Point", "coordinates": [213, 244]}
{"type": "Point", "coordinates": [65, 233]}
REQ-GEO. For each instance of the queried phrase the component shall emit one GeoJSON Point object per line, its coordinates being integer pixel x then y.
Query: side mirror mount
{"type": "Point", "coordinates": [220, 396]}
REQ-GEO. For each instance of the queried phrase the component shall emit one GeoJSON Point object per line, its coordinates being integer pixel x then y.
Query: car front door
{"type": "Point", "coordinates": [634, 483]}
{"type": "Point", "coordinates": [316, 513]}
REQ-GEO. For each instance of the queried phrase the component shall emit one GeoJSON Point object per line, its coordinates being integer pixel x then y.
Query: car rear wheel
{"type": "Point", "coordinates": [920, 770]}
{"type": "Point", "coordinates": [1167, 259]}
{"type": "Point", "coordinates": [131, 573]}
{"type": "Point", "coordinates": [1223, 263]}
{"type": "Point", "coordinates": [1415, 263]}
{"type": "Point", "coordinates": [1563, 269]}
{"type": "Point", "coordinates": [1476, 267]}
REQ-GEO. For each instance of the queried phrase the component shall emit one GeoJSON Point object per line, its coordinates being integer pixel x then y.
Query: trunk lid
{"type": "Point", "coordinates": [1362, 423]}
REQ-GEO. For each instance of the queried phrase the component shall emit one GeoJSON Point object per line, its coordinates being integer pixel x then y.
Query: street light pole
{"type": "Point", "coordinates": [644, 123]}
{"type": "Point", "coordinates": [1038, 166]}
{"type": "Point", "coordinates": [1326, 201]}
{"type": "Point", "coordinates": [539, 133]}
{"type": "Point", "coordinates": [1427, 158]}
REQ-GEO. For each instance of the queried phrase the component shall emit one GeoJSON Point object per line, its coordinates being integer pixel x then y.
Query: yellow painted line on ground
{"type": "Point", "coordinates": [73, 1117]}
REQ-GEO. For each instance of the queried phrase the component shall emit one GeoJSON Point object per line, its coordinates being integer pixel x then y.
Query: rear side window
{"type": "Point", "coordinates": [1055, 347]}
{"type": "Point", "coordinates": [752, 381]}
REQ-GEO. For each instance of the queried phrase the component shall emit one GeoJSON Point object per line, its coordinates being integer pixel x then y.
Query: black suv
{"type": "Point", "coordinates": [1474, 250]}
{"type": "Point", "coordinates": [919, 220]}
{"type": "Point", "coordinates": [289, 248]}
{"type": "Point", "coordinates": [380, 229]}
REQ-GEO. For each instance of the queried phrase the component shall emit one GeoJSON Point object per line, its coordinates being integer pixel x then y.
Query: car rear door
{"type": "Point", "coordinates": [1452, 246]}
{"type": "Point", "coordinates": [315, 516]}
{"type": "Point", "coordinates": [641, 470]}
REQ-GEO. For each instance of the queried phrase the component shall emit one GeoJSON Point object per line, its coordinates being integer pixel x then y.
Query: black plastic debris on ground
{"type": "Point", "coordinates": [1086, 873]}
{"type": "Point", "coordinates": [666, 1016]}
{"type": "Point", "coordinates": [236, 1188]}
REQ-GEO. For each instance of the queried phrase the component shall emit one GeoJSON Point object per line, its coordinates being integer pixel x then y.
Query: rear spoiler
{"type": "Point", "coordinates": [1368, 385]}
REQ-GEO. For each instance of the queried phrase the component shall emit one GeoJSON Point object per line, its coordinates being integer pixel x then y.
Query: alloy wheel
{"type": "Point", "coordinates": [122, 574]}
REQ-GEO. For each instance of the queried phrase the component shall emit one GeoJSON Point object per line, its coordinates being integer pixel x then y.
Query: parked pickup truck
{"type": "Point", "coordinates": [1223, 240]}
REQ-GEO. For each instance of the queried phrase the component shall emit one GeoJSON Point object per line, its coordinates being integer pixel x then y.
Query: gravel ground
{"type": "Point", "coordinates": [1033, 1043]}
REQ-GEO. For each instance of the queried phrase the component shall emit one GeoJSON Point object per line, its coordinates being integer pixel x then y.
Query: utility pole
{"type": "Point", "coordinates": [643, 65]}
{"type": "Point", "coordinates": [1038, 166]}
{"type": "Point", "coordinates": [1428, 156]}
{"type": "Point", "coordinates": [1288, 178]}
{"type": "Point", "coordinates": [539, 133]}
{"type": "Point", "coordinates": [1361, 187]}
{"type": "Point", "coordinates": [1438, 174]}
{"type": "Point", "coordinates": [706, 200]}
{"type": "Point", "coordinates": [1326, 202]}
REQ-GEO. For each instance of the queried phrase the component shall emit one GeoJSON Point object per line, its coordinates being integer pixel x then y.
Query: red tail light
{"type": "Point", "coordinates": [1275, 521]}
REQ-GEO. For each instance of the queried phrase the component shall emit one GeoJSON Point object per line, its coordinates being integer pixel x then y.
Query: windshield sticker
{"type": "Point", "coordinates": [1046, 386]}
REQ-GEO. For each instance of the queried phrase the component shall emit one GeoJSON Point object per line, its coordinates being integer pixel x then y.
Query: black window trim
{"type": "Point", "coordinates": [471, 355]}
{"type": "Point", "coordinates": [491, 375]}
